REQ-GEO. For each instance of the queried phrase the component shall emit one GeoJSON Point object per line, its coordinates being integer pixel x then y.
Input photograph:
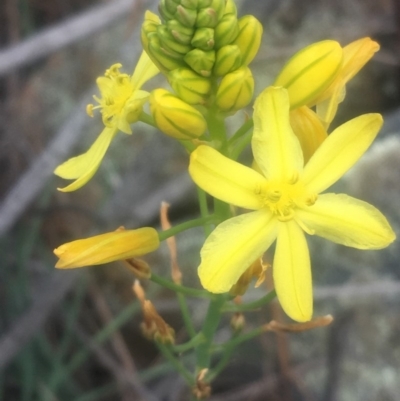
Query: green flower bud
{"type": "Point", "coordinates": [200, 61]}
{"type": "Point", "coordinates": [186, 16]}
{"type": "Point", "coordinates": [204, 3]}
{"type": "Point", "coordinates": [209, 17]}
{"type": "Point", "coordinates": [236, 90]}
{"type": "Point", "coordinates": [193, 4]}
{"type": "Point", "coordinates": [163, 10]}
{"type": "Point", "coordinates": [227, 59]}
{"type": "Point", "coordinates": [203, 39]}
{"type": "Point", "coordinates": [150, 24]}
{"type": "Point", "coordinates": [230, 8]}
{"type": "Point", "coordinates": [174, 117]}
{"type": "Point", "coordinates": [249, 37]}
{"type": "Point", "coordinates": [168, 41]}
{"type": "Point", "coordinates": [189, 86]}
{"type": "Point", "coordinates": [165, 59]}
{"type": "Point", "coordinates": [171, 6]}
{"type": "Point", "coordinates": [181, 33]}
{"type": "Point", "coordinates": [226, 31]}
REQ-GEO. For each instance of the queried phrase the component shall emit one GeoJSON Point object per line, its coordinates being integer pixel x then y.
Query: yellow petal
{"type": "Point", "coordinates": [356, 55]}
{"type": "Point", "coordinates": [326, 109]}
{"type": "Point", "coordinates": [310, 71]}
{"type": "Point", "coordinates": [276, 149]}
{"type": "Point", "coordinates": [340, 151]}
{"type": "Point", "coordinates": [233, 246]}
{"type": "Point", "coordinates": [308, 129]}
{"type": "Point", "coordinates": [347, 221]}
{"type": "Point", "coordinates": [292, 272]}
{"type": "Point", "coordinates": [226, 179]}
{"type": "Point", "coordinates": [144, 71]}
{"type": "Point", "coordinates": [83, 167]}
{"type": "Point", "coordinates": [104, 248]}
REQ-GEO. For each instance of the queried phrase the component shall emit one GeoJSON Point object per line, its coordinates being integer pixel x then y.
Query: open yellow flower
{"type": "Point", "coordinates": [104, 248]}
{"type": "Point", "coordinates": [286, 203]}
{"type": "Point", "coordinates": [121, 104]}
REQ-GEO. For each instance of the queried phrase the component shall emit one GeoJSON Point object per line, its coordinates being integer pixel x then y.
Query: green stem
{"type": "Point", "coordinates": [187, 320]}
{"type": "Point", "coordinates": [203, 351]}
{"type": "Point", "coordinates": [163, 235]}
{"type": "Point", "coordinates": [147, 119]}
{"type": "Point", "coordinates": [204, 210]}
{"type": "Point", "coordinates": [241, 144]}
{"type": "Point", "coordinates": [165, 350]}
{"type": "Point", "coordinates": [228, 349]}
{"type": "Point", "coordinates": [217, 129]}
{"type": "Point", "coordinates": [194, 292]}
{"type": "Point", "coordinates": [251, 305]}
{"type": "Point", "coordinates": [194, 342]}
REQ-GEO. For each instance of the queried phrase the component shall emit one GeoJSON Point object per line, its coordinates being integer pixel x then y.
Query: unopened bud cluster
{"type": "Point", "coordinates": [199, 41]}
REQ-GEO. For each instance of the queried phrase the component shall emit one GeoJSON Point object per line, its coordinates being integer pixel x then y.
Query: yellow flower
{"type": "Point", "coordinates": [121, 104]}
{"type": "Point", "coordinates": [118, 245]}
{"type": "Point", "coordinates": [286, 202]}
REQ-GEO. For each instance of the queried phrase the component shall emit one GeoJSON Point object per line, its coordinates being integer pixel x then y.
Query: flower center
{"type": "Point", "coordinates": [115, 88]}
{"type": "Point", "coordinates": [283, 198]}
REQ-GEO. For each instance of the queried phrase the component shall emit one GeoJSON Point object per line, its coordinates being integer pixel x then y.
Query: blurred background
{"type": "Point", "coordinates": [74, 335]}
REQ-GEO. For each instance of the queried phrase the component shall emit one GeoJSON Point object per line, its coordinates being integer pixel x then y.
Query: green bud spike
{"type": "Point", "coordinates": [186, 16]}
{"type": "Point", "coordinates": [168, 59]}
{"type": "Point", "coordinates": [169, 42]}
{"type": "Point", "coordinates": [226, 31]}
{"type": "Point", "coordinates": [200, 61]}
{"type": "Point", "coordinates": [249, 37]}
{"type": "Point", "coordinates": [227, 59]}
{"type": "Point", "coordinates": [181, 33]}
{"type": "Point", "coordinates": [235, 90]}
{"type": "Point", "coordinates": [230, 8]}
{"type": "Point", "coordinates": [203, 39]}
{"type": "Point", "coordinates": [189, 86]}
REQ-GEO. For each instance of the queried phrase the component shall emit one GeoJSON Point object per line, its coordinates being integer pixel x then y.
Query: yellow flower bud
{"type": "Point", "coordinates": [118, 245]}
{"type": "Point", "coordinates": [174, 117]}
{"type": "Point", "coordinates": [189, 86]}
{"type": "Point", "coordinates": [310, 71]}
{"type": "Point", "coordinates": [226, 31]}
{"type": "Point", "coordinates": [249, 38]}
{"type": "Point", "coordinates": [236, 90]}
{"type": "Point", "coordinates": [230, 8]}
{"type": "Point", "coordinates": [228, 59]}
{"type": "Point", "coordinates": [200, 61]}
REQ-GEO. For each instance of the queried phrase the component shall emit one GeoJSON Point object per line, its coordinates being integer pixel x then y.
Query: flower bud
{"type": "Point", "coordinates": [209, 17]}
{"type": "Point", "coordinates": [230, 8]}
{"type": "Point", "coordinates": [169, 42]}
{"type": "Point", "coordinates": [138, 267]}
{"type": "Point", "coordinates": [235, 90]}
{"type": "Point", "coordinates": [165, 59]}
{"type": "Point", "coordinates": [163, 10]}
{"type": "Point", "coordinates": [174, 117]}
{"type": "Point", "coordinates": [227, 59]}
{"type": "Point", "coordinates": [193, 4]}
{"type": "Point", "coordinates": [237, 322]}
{"type": "Point", "coordinates": [226, 31]}
{"type": "Point", "coordinates": [171, 5]}
{"type": "Point", "coordinates": [204, 3]}
{"type": "Point", "coordinates": [310, 71]}
{"type": "Point", "coordinates": [189, 86]}
{"type": "Point", "coordinates": [200, 61]}
{"type": "Point", "coordinates": [203, 39]}
{"type": "Point", "coordinates": [186, 16]}
{"type": "Point", "coordinates": [181, 33]}
{"type": "Point", "coordinates": [249, 38]}
{"type": "Point", "coordinates": [150, 24]}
